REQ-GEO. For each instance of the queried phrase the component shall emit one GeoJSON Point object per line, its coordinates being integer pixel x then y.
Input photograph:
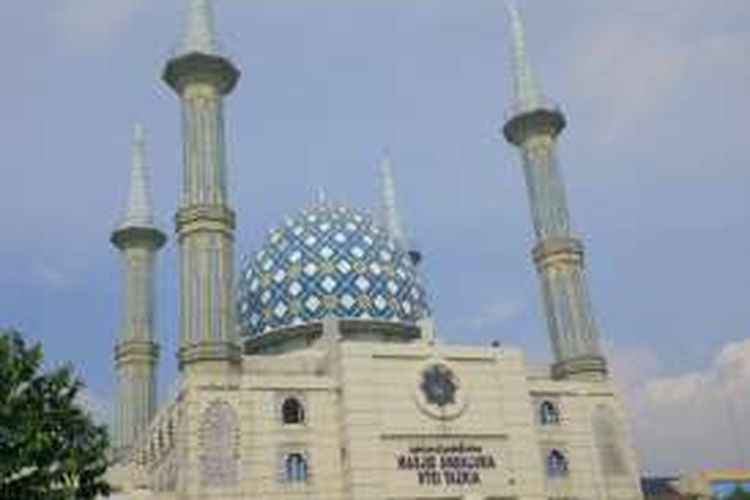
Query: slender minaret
{"type": "Point", "coordinates": [205, 223]}
{"type": "Point", "coordinates": [558, 255]}
{"type": "Point", "coordinates": [391, 214]}
{"type": "Point", "coordinates": [395, 228]}
{"type": "Point", "coordinates": [137, 352]}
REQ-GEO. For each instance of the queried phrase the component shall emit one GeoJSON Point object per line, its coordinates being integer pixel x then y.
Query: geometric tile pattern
{"type": "Point", "coordinates": [328, 261]}
{"type": "Point", "coordinates": [219, 437]}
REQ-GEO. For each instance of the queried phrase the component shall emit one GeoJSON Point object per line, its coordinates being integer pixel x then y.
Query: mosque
{"type": "Point", "coordinates": [314, 373]}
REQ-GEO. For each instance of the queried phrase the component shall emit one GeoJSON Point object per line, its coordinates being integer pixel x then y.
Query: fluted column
{"type": "Point", "coordinates": [558, 254]}
{"type": "Point", "coordinates": [204, 223]}
{"type": "Point", "coordinates": [136, 352]}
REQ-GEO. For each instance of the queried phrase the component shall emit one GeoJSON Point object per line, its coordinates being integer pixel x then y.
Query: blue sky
{"type": "Point", "coordinates": [656, 160]}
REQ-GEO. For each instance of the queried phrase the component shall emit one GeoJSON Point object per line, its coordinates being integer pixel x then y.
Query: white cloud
{"type": "Point", "coordinates": [88, 22]}
{"type": "Point", "coordinates": [734, 361]}
{"type": "Point", "coordinates": [632, 62]}
{"type": "Point", "coordinates": [52, 276]}
{"type": "Point", "coordinates": [676, 390]}
{"type": "Point", "coordinates": [632, 366]}
{"type": "Point", "coordinates": [627, 75]}
{"type": "Point", "coordinates": [692, 421]}
{"type": "Point", "coordinates": [496, 311]}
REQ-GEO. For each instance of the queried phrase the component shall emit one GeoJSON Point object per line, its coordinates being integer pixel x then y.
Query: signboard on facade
{"type": "Point", "coordinates": [447, 464]}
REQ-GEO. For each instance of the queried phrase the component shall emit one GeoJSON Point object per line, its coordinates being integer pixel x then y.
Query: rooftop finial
{"type": "Point", "coordinates": [392, 219]}
{"type": "Point", "coordinates": [526, 89]}
{"type": "Point", "coordinates": [200, 34]}
{"type": "Point", "coordinates": [138, 212]}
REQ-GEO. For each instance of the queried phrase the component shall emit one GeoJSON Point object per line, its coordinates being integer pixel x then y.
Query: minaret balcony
{"type": "Point", "coordinates": [134, 236]}
{"type": "Point", "coordinates": [544, 119]}
{"type": "Point", "coordinates": [136, 350]}
{"type": "Point", "coordinates": [197, 67]}
{"type": "Point", "coordinates": [558, 251]}
{"type": "Point", "coordinates": [585, 367]}
{"type": "Point", "coordinates": [197, 218]}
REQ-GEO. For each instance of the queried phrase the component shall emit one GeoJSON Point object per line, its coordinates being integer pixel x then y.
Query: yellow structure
{"type": "Point", "coordinates": [716, 483]}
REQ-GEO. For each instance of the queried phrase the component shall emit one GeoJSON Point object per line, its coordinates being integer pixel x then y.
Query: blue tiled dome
{"type": "Point", "coordinates": [328, 261]}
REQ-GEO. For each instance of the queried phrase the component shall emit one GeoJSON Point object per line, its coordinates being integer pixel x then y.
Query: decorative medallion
{"type": "Point", "coordinates": [439, 386]}
{"type": "Point", "coordinates": [439, 392]}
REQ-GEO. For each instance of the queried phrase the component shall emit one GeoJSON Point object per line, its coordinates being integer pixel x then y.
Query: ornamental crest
{"type": "Point", "coordinates": [439, 386]}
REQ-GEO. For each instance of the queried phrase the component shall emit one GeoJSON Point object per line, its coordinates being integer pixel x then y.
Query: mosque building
{"type": "Point", "coordinates": [314, 372]}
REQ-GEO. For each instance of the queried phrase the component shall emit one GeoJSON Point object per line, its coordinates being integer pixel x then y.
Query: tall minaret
{"type": "Point", "coordinates": [558, 255]}
{"type": "Point", "coordinates": [390, 211]}
{"type": "Point", "coordinates": [205, 223]}
{"type": "Point", "coordinates": [136, 353]}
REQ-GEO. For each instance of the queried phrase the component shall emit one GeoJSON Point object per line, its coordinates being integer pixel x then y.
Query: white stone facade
{"type": "Point", "coordinates": [368, 431]}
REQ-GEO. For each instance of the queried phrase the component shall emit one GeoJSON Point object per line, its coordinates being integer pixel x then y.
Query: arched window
{"type": "Point", "coordinates": [607, 441]}
{"type": "Point", "coordinates": [219, 445]}
{"type": "Point", "coordinates": [557, 464]}
{"type": "Point", "coordinates": [295, 468]}
{"type": "Point", "coordinates": [292, 411]}
{"type": "Point", "coordinates": [549, 413]}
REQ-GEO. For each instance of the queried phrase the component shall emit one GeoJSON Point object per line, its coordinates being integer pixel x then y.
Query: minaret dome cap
{"type": "Point", "coordinates": [200, 31]}
{"type": "Point", "coordinates": [137, 225]}
{"type": "Point", "coordinates": [198, 59]}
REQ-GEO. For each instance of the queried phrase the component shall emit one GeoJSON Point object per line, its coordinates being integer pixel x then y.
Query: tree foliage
{"type": "Point", "coordinates": [49, 446]}
{"type": "Point", "coordinates": [739, 494]}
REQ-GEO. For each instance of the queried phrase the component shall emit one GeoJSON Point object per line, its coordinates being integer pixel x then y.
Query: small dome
{"type": "Point", "coordinates": [328, 261]}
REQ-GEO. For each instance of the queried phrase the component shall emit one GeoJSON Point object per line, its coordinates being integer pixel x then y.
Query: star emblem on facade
{"type": "Point", "coordinates": [439, 386]}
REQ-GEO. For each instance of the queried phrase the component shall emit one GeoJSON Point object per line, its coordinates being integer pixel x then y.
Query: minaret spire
{"type": "Point", "coordinates": [136, 351]}
{"type": "Point", "coordinates": [395, 228]}
{"type": "Point", "coordinates": [558, 254]}
{"type": "Point", "coordinates": [390, 211]}
{"type": "Point", "coordinates": [138, 212]}
{"type": "Point", "coordinates": [200, 33]}
{"type": "Point", "coordinates": [392, 217]}
{"type": "Point", "coordinates": [527, 95]}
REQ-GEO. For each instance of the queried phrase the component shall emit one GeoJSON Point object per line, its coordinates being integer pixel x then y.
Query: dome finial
{"type": "Point", "coordinates": [138, 211]}
{"type": "Point", "coordinates": [320, 196]}
{"type": "Point", "coordinates": [527, 95]}
{"type": "Point", "coordinates": [200, 33]}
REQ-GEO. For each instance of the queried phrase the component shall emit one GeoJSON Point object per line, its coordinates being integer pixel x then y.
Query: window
{"type": "Point", "coordinates": [292, 411]}
{"type": "Point", "coordinates": [557, 464]}
{"type": "Point", "coordinates": [295, 468]}
{"type": "Point", "coordinates": [549, 413]}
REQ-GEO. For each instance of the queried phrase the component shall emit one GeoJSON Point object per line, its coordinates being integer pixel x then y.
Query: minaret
{"type": "Point", "coordinates": [390, 211]}
{"type": "Point", "coordinates": [558, 254]}
{"type": "Point", "coordinates": [205, 223]}
{"type": "Point", "coordinates": [395, 228]}
{"type": "Point", "coordinates": [137, 352]}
